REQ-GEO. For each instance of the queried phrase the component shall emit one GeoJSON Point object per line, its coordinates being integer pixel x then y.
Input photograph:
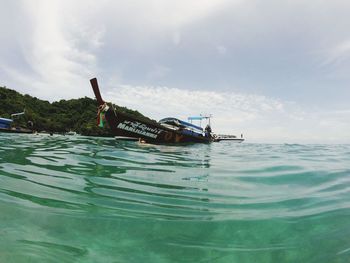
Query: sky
{"type": "Point", "coordinates": [275, 70]}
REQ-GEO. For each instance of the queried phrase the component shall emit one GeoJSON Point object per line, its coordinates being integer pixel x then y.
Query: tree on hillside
{"type": "Point", "coordinates": [77, 115]}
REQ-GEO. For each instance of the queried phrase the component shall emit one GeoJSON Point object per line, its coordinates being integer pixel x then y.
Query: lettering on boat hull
{"type": "Point", "coordinates": [139, 128]}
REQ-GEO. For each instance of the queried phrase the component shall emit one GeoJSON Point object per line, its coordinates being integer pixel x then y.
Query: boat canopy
{"type": "Point", "coordinates": [178, 122]}
{"type": "Point", "coordinates": [17, 114]}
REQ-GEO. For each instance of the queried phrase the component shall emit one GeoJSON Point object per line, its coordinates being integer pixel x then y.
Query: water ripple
{"type": "Point", "coordinates": [88, 177]}
{"type": "Point", "coordinates": [194, 182]}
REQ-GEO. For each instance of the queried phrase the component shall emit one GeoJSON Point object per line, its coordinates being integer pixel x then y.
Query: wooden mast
{"type": "Point", "coordinates": [96, 90]}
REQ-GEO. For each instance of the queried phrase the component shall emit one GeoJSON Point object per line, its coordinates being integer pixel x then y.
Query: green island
{"type": "Point", "coordinates": [78, 115]}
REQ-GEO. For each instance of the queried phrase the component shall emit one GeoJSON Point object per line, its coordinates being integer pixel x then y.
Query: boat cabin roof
{"type": "Point", "coordinates": [180, 123]}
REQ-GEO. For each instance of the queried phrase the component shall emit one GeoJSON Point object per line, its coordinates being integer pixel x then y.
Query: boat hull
{"type": "Point", "coordinates": [126, 125]}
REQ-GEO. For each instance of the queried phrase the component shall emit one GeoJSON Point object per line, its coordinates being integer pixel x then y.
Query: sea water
{"type": "Point", "coordinates": [84, 199]}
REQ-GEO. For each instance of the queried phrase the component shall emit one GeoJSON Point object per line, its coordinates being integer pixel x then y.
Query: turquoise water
{"type": "Point", "coordinates": [80, 199]}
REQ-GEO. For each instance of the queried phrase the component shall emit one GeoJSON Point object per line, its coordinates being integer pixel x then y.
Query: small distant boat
{"type": "Point", "coordinates": [232, 138]}
{"type": "Point", "coordinates": [6, 126]}
{"type": "Point", "coordinates": [167, 131]}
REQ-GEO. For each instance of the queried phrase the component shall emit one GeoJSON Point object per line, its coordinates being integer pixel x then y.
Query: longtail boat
{"type": "Point", "coordinates": [167, 131]}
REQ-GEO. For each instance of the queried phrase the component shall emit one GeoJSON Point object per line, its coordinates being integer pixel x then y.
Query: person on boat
{"type": "Point", "coordinates": [30, 125]}
{"type": "Point", "coordinates": [207, 131]}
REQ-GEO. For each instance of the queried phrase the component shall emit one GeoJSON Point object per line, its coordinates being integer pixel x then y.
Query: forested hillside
{"type": "Point", "coordinates": [77, 115]}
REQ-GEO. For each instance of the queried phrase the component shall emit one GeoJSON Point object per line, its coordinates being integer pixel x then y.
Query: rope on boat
{"type": "Point", "coordinates": [101, 110]}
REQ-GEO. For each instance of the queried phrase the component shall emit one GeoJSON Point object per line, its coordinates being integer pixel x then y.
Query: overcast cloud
{"type": "Point", "coordinates": [277, 71]}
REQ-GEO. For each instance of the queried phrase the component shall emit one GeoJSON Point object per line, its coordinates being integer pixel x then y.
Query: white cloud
{"type": "Point", "coordinates": [59, 40]}
{"type": "Point", "coordinates": [157, 72]}
{"type": "Point", "coordinates": [57, 50]}
{"type": "Point", "coordinates": [171, 14]}
{"type": "Point", "coordinates": [176, 38]}
{"type": "Point", "coordinates": [50, 49]}
{"type": "Point", "coordinates": [338, 53]}
{"type": "Point", "coordinates": [221, 49]}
